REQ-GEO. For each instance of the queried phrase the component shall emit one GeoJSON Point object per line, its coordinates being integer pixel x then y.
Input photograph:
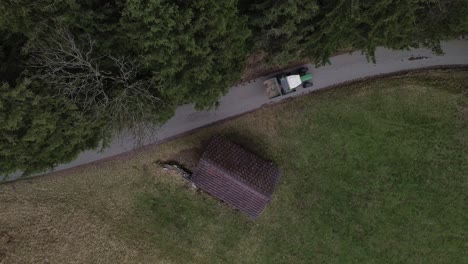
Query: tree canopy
{"type": "Point", "coordinates": [297, 29]}
{"type": "Point", "coordinates": [197, 48]}
{"type": "Point", "coordinates": [73, 73]}
{"type": "Point", "coordinates": [40, 131]}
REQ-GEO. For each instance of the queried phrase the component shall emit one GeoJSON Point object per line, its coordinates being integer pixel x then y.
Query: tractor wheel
{"type": "Point", "coordinates": [307, 84]}
{"type": "Point", "coordinates": [302, 70]}
{"type": "Point", "coordinates": [282, 75]}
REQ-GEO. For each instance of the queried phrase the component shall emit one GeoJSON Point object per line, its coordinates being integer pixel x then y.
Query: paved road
{"type": "Point", "coordinates": [250, 96]}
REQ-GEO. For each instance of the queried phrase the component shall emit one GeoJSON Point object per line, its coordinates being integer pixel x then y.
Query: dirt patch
{"type": "Point", "coordinates": [188, 157]}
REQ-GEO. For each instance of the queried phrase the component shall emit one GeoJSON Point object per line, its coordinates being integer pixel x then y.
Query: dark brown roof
{"type": "Point", "coordinates": [236, 176]}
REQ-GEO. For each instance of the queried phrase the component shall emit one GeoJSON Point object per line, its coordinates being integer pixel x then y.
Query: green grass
{"type": "Point", "coordinates": [371, 173]}
{"type": "Point", "coordinates": [377, 176]}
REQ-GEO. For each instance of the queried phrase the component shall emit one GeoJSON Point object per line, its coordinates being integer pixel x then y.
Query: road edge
{"type": "Point", "coordinates": [194, 130]}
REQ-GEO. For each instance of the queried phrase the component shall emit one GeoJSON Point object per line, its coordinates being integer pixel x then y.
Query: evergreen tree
{"type": "Point", "coordinates": [323, 28]}
{"type": "Point", "coordinates": [195, 48]}
{"type": "Point", "coordinates": [40, 131]}
{"type": "Point", "coordinates": [282, 27]}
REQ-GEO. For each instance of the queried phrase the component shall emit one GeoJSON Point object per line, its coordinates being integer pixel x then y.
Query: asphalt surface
{"type": "Point", "coordinates": [250, 96]}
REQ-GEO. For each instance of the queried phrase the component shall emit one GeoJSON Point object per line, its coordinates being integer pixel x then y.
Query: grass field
{"type": "Point", "coordinates": [371, 173]}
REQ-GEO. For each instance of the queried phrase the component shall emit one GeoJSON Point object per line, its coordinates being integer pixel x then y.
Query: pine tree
{"type": "Point", "coordinates": [195, 48]}
{"type": "Point", "coordinates": [320, 29]}
{"type": "Point", "coordinates": [40, 131]}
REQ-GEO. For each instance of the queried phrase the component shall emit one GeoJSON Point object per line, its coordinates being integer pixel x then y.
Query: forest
{"type": "Point", "coordinates": [74, 73]}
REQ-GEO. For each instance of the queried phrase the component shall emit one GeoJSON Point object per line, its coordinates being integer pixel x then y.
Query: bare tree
{"type": "Point", "coordinates": [120, 96]}
{"type": "Point", "coordinates": [134, 104]}
{"type": "Point", "coordinates": [71, 69]}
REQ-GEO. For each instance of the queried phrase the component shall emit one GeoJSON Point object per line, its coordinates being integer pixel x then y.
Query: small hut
{"type": "Point", "coordinates": [236, 176]}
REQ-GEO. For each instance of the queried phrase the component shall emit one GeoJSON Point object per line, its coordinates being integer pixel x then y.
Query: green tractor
{"type": "Point", "coordinates": [286, 83]}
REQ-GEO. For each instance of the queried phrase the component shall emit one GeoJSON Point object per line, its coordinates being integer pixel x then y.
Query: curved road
{"type": "Point", "coordinates": [249, 96]}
